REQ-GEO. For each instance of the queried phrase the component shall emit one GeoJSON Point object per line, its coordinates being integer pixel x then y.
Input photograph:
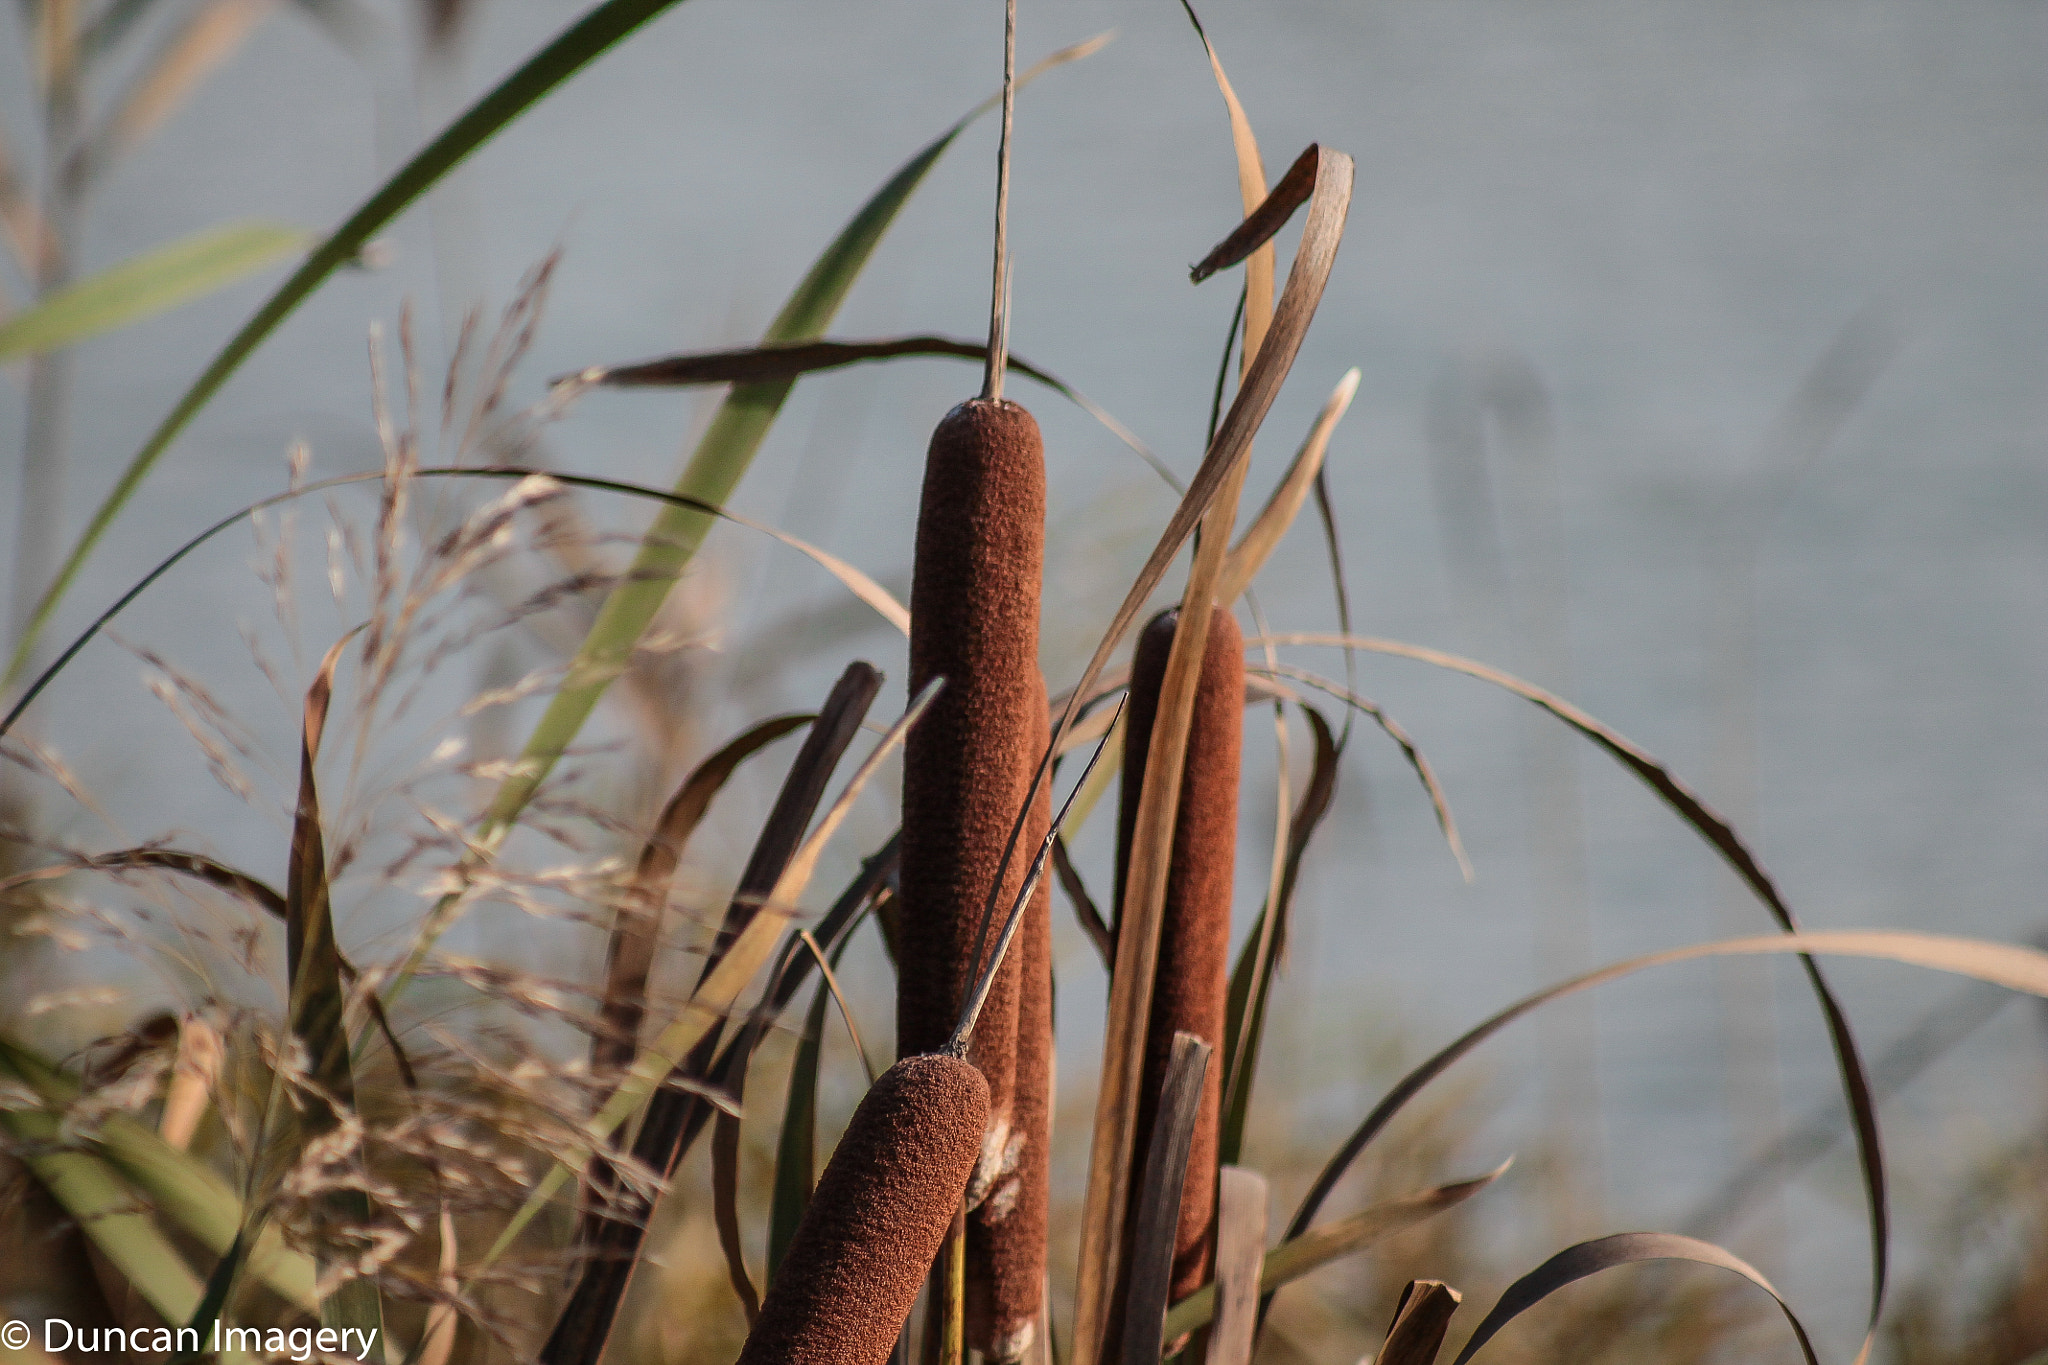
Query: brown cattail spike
{"type": "Point", "coordinates": [1006, 1235]}
{"type": "Point", "coordinates": [876, 1219]}
{"type": "Point", "coordinates": [1191, 988]}
{"type": "Point", "coordinates": [968, 764]}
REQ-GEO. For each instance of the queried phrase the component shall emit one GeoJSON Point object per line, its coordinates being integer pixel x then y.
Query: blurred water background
{"type": "Point", "coordinates": [1644, 224]}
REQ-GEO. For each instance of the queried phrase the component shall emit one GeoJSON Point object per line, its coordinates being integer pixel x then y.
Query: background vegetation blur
{"type": "Point", "coordinates": [1700, 353]}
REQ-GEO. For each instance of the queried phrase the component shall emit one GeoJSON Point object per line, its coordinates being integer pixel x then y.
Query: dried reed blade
{"type": "Point", "coordinates": [1623, 1248]}
{"type": "Point", "coordinates": [725, 1205]}
{"type": "Point", "coordinates": [2008, 965]}
{"type": "Point", "coordinates": [764, 364]}
{"type": "Point", "coordinates": [1717, 832]}
{"type": "Point", "coordinates": [1421, 1318]}
{"type": "Point", "coordinates": [1241, 1212]}
{"type": "Point", "coordinates": [1439, 801]}
{"type": "Point", "coordinates": [612, 1241]}
{"type": "Point", "coordinates": [715, 995]}
{"type": "Point", "coordinates": [1273, 521]}
{"type": "Point", "coordinates": [1108, 1181]}
{"type": "Point", "coordinates": [1157, 1222]}
{"type": "Point", "coordinates": [629, 954]}
{"type": "Point", "coordinates": [1257, 304]}
{"type": "Point", "coordinates": [206, 40]}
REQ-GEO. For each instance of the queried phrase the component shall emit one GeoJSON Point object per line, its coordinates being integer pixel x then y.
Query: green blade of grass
{"type": "Point", "coordinates": [569, 53]}
{"type": "Point", "coordinates": [572, 50]}
{"type": "Point", "coordinates": [317, 1004]}
{"type": "Point", "coordinates": [796, 1147]}
{"type": "Point", "coordinates": [146, 285]}
{"type": "Point", "coordinates": [182, 1188]}
{"type": "Point", "coordinates": [722, 456]}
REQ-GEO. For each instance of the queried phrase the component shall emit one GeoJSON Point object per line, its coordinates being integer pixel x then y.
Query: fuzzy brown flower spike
{"type": "Point", "coordinates": [1006, 1234]}
{"type": "Point", "coordinates": [1189, 994]}
{"type": "Point", "coordinates": [875, 1220]}
{"type": "Point", "coordinates": [968, 764]}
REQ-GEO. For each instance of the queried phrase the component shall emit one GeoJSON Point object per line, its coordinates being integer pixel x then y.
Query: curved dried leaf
{"type": "Point", "coordinates": [2008, 965]}
{"type": "Point", "coordinates": [1222, 466]}
{"type": "Point", "coordinates": [765, 364]}
{"type": "Point", "coordinates": [1439, 802]}
{"type": "Point", "coordinates": [1604, 1253]}
{"type": "Point", "coordinates": [1273, 521]}
{"type": "Point", "coordinates": [629, 955]}
{"type": "Point", "coordinates": [1719, 833]}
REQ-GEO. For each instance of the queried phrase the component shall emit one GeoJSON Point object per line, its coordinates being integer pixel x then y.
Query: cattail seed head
{"type": "Point", "coordinates": [968, 763]}
{"type": "Point", "coordinates": [876, 1219]}
{"type": "Point", "coordinates": [1190, 991]}
{"type": "Point", "coordinates": [1006, 1234]}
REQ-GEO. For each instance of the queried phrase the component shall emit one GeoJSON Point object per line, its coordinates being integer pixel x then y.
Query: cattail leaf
{"type": "Point", "coordinates": [179, 1186]}
{"type": "Point", "coordinates": [152, 283]}
{"type": "Point", "coordinates": [709, 1004]}
{"type": "Point", "coordinates": [763, 364]}
{"type": "Point", "coordinates": [725, 1210]}
{"type": "Point", "coordinates": [1299, 1255]}
{"type": "Point", "coordinates": [1251, 185]}
{"type": "Point", "coordinates": [1271, 525]}
{"type": "Point", "coordinates": [1439, 802]}
{"type": "Point", "coordinates": [629, 955]}
{"type": "Point", "coordinates": [1137, 943]}
{"type": "Point", "coordinates": [1085, 911]}
{"type": "Point", "coordinates": [611, 1239]}
{"type": "Point", "coordinates": [1604, 1253]}
{"type": "Point", "coordinates": [2011, 966]}
{"type": "Point", "coordinates": [1722, 836]}
{"type": "Point", "coordinates": [1157, 1224]}
{"type": "Point", "coordinates": [316, 1006]}
{"type": "Point", "coordinates": [103, 1206]}
{"type": "Point", "coordinates": [1262, 222]}
{"type": "Point", "coordinates": [1421, 1318]}
{"type": "Point", "coordinates": [1251, 980]}
{"type": "Point", "coordinates": [796, 1147]}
